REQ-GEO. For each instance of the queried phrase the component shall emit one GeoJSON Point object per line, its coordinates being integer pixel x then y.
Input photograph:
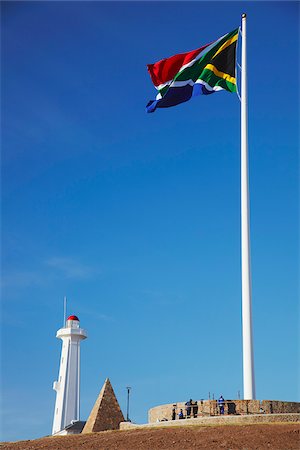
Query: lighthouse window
{"type": "Point", "coordinates": [62, 359]}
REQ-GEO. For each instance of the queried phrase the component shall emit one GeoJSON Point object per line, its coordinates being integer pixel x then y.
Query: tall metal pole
{"type": "Point", "coordinates": [128, 392]}
{"type": "Point", "coordinates": [248, 361]}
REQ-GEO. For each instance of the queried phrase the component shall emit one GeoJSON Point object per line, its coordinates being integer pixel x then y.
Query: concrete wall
{"type": "Point", "coordinates": [232, 407]}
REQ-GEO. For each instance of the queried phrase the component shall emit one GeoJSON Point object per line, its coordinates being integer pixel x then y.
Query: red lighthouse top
{"type": "Point", "coordinates": [73, 318]}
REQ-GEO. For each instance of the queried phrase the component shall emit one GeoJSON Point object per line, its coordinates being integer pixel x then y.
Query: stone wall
{"type": "Point", "coordinates": [232, 407]}
{"type": "Point", "coordinates": [242, 419]}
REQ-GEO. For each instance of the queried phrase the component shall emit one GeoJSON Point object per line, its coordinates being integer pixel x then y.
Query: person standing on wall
{"type": "Point", "coordinates": [188, 408]}
{"type": "Point", "coordinates": [221, 404]}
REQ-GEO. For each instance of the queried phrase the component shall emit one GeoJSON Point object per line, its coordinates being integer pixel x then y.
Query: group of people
{"type": "Point", "coordinates": [191, 409]}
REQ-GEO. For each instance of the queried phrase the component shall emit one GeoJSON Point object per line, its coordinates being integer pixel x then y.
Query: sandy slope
{"type": "Point", "coordinates": [283, 436]}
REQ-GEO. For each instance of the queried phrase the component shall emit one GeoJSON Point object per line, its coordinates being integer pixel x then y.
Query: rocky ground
{"type": "Point", "coordinates": [282, 436]}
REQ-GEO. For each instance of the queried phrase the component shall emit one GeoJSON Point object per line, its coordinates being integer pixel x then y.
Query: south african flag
{"type": "Point", "coordinates": [205, 70]}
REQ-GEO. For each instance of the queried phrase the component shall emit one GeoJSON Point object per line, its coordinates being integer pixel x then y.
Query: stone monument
{"type": "Point", "coordinates": [106, 413]}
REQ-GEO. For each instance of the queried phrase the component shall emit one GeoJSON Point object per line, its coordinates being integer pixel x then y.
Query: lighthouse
{"type": "Point", "coordinates": [67, 387]}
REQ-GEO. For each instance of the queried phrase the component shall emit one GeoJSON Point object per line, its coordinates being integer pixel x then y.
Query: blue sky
{"type": "Point", "coordinates": [135, 217]}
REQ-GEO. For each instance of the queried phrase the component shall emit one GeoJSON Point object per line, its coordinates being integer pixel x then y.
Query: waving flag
{"type": "Point", "coordinates": [205, 70]}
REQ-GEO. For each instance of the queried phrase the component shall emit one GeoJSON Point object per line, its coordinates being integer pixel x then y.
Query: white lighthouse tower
{"type": "Point", "coordinates": [67, 387]}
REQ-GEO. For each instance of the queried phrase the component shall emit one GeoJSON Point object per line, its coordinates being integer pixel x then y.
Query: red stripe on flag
{"type": "Point", "coordinates": [166, 69]}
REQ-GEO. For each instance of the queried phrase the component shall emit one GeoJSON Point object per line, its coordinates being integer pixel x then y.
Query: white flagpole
{"type": "Point", "coordinates": [248, 363]}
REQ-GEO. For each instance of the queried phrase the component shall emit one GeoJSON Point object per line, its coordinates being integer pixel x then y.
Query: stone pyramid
{"type": "Point", "coordinates": [106, 413]}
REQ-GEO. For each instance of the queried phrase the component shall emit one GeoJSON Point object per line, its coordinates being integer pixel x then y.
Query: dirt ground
{"type": "Point", "coordinates": [283, 436]}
